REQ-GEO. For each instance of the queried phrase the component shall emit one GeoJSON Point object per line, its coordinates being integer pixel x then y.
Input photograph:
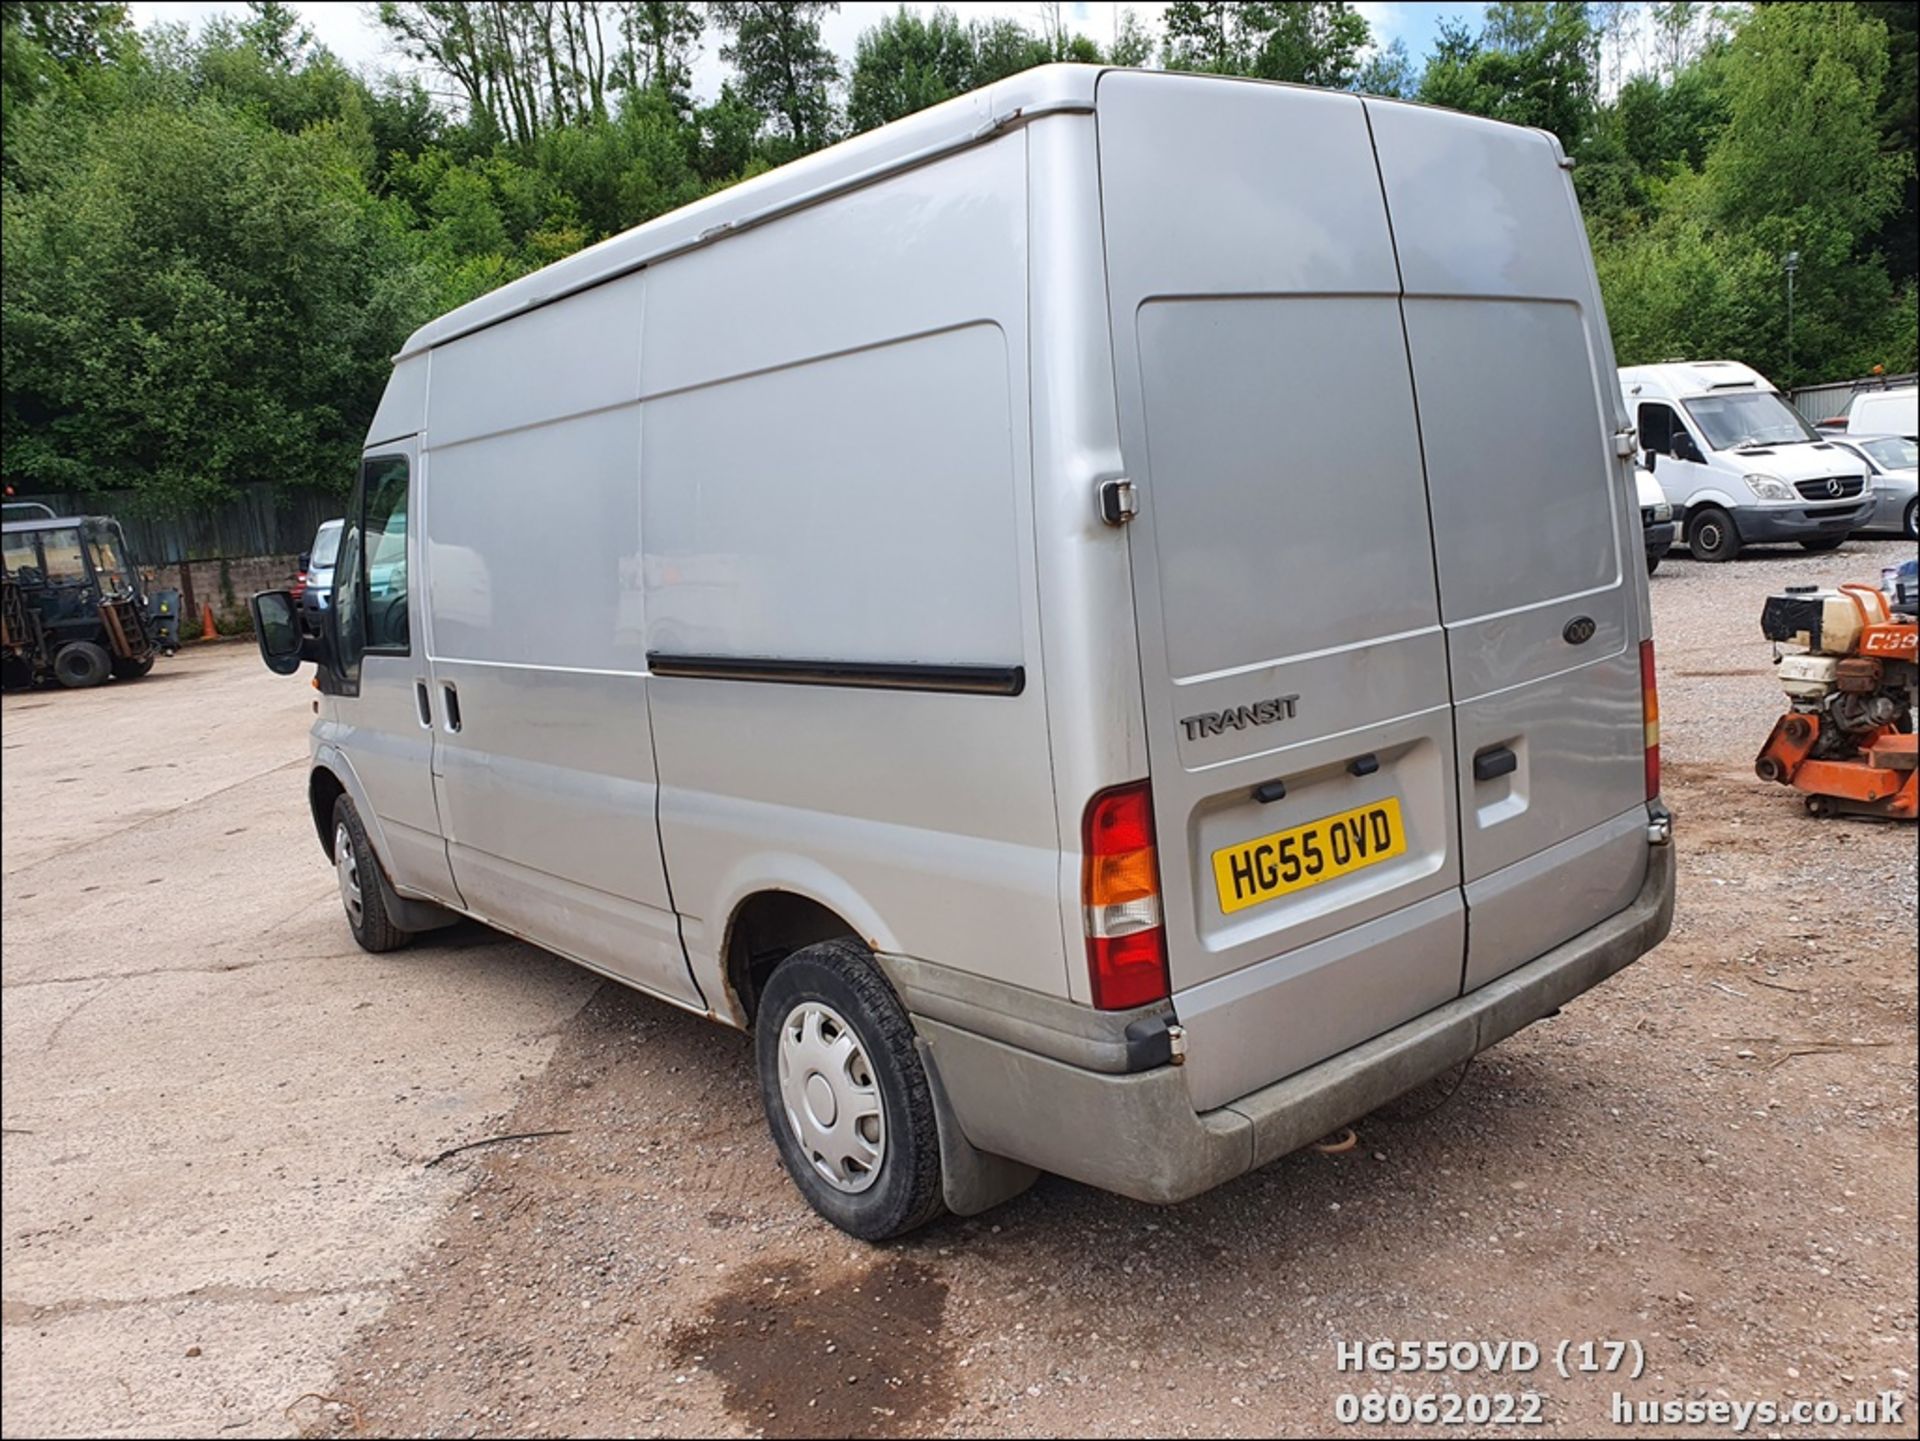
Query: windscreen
{"type": "Point", "coordinates": [1747, 417]}
{"type": "Point", "coordinates": [110, 566]}
{"type": "Point", "coordinates": [1895, 452]}
{"type": "Point", "coordinates": [326, 544]}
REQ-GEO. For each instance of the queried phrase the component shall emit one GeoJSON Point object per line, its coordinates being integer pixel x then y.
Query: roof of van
{"type": "Point", "coordinates": [1692, 377]}
{"type": "Point", "coordinates": [950, 125]}
{"type": "Point", "coordinates": [925, 135]}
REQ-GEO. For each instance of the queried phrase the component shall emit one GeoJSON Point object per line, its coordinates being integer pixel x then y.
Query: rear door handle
{"type": "Point", "coordinates": [423, 703]}
{"type": "Point", "coordinates": [450, 696]}
{"type": "Point", "coordinates": [1495, 762]}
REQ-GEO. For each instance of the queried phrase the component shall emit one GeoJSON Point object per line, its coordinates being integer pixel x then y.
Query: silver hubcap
{"type": "Point", "coordinates": [832, 1101]}
{"type": "Point", "coordinates": [345, 867]}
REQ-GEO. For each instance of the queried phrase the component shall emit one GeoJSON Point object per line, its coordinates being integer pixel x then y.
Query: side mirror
{"type": "Point", "coordinates": [1649, 461]}
{"type": "Point", "coordinates": [306, 561]}
{"type": "Point", "coordinates": [276, 625]}
{"type": "Point", "coordinates": [1685, 449]}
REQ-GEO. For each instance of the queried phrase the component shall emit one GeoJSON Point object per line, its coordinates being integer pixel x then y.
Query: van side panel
{"type": "Point", "coordinates": [840, 476]}
{"type": "Point", "coordinates": [533, 543]}
{"type": "Point", "coordinates": [1534, 522]}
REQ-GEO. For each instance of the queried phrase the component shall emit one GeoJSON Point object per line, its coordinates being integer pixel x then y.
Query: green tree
{"type": "Point", "coordinates": [907, 62]}
{"type": "Point", "coordinates": [1388, 71]}
{"type": "Point", "coordinates": [193, 301]}
{"type": "Point", "coordinates": [1216, 37]}
{"type": "Point", "coordinates": [784, 69]}
{"type": "Point", "coordinates": [1532, 63]}
{"type": "Point", "coordinates": [1898, 239]}
{"type": "Point", "coordinates": [1002, 48]}
{"type": "Point", "coordinates": [1798, 166]}
{"type": "Point", "coordinates": [658, 39]}
{"type": "Point", "coordinates": [45, 45]}
{"type": "Point", "coordinates": [1313, 42]}
{"type": "Point", "coordinates": [1132, 42]}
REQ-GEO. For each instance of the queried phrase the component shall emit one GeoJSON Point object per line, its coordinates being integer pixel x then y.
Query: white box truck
{"type": "Point", "coordinates": [1104, 621]}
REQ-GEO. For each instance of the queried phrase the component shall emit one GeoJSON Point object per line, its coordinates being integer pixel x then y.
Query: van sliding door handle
{"type": "Point", "coordinates": [450, 697]}
{"type": "Point", "coordinates": [423, 703]}
{"type": "Point", "coordinates": [1491, 764]}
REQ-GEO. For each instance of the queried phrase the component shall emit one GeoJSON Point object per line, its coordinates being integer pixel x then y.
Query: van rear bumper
{"type": "Point", "coordinates": [1139, 1135]}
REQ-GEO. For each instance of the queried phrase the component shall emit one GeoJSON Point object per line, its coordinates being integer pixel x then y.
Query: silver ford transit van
{"type": "Point", "coordinates": [921, 605]}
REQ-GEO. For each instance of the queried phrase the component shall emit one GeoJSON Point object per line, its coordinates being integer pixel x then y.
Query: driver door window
{"type": "Point", "coordinates": [370, 580]}
{"type": "Point", "coordinates": [1658, 423]}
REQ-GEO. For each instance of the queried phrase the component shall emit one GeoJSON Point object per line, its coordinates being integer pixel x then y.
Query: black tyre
{"type": "Point", "coordinates": [132, 669]}
{"type": "Point", "coordinates": [1911, 525]}
{"type": "Point", "coordinates": [1711, 535]}
{"type": "Point", "coordinates": [1653, 564]}
{"type": "Point", "coordinates": [1823, 544]}
{"type": "Point", "coordinates": [358, 870]}
{"type": "Point", "coordinates": [80, 663]}
{"type": "Point", "coordinates": [846, 1096]}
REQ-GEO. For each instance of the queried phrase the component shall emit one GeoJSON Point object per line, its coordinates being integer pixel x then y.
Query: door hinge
{"type": "Point", "coordinates": [1626, 442]}
{"type": "Point", "coordinates": [1119, 501]}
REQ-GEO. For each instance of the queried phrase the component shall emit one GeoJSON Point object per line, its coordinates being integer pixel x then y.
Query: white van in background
{"type": "Point", "coordinates": [1745, 467]}
{"type": "Point", "coordinates": [896, 605]}
{"type": "Point", "coordinates": [1884, 412]}
{"type": "Point", "coordinates": [1657, 517]}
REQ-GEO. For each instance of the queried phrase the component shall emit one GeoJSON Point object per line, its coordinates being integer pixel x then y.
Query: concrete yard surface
{"type": "Point", "coordinates": [218, 1215]}
{"type": "Point", "coordinates": [216, 1105]}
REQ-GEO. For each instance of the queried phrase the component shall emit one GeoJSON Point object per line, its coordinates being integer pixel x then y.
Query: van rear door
{"type": "Point", "coordinates": [1535, 536]}
{"type": "Point", "coordinates": [1291, 646]}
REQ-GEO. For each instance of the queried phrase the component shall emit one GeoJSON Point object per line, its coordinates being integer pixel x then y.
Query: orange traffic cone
{"type": "Point", "coordinates": [208, 630]}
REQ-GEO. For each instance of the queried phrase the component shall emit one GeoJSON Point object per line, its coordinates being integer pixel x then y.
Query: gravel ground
{"type": "Point", "coordinates": [219, 1110]}
{"type": "Point", "coordinates": [1672, 1161]}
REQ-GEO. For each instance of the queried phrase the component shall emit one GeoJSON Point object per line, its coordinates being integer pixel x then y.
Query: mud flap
{"type": "Point", "coordinates": [411, 915]}
{"type": "Point", "coordinates": [970, 1180]}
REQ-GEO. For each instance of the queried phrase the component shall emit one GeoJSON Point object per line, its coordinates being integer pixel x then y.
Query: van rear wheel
{"type": "Point", "coordinates": [845, 1094]}
{"type": "Point", "coordinates": [1711, 535]}
{"type": "Point", "coordinates": [357, 871]}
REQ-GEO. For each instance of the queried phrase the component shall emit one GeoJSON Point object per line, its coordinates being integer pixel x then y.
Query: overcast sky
{"type": "Point", "coordinates": [348, 29]}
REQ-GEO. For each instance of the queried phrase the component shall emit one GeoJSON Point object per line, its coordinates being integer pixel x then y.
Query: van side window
{"type": "Point", "coordinates": [22, 560]}
{"type": "Point", "coordinates": [65, 565]}
{"type": "Point", "coordinates": [370, 579]}
{"type": "Point", "coordinates": [384, 543]}
{"type": "Point", "coordinates": [1657, 424]}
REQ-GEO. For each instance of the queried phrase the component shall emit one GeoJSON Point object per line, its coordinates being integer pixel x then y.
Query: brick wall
{"type": "Point", "coordinates": [227, 586]}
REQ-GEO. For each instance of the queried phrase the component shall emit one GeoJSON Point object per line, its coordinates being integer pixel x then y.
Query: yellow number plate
{"type": "Point", "coordinates": [1269, 866]}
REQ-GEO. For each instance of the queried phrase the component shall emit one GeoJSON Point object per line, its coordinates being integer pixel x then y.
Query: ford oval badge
{"type": "Point", "coordinates": [1579, 630]}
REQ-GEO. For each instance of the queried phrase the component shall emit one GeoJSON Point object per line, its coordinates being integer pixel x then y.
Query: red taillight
{"type": "Point", "coordinates": [1650, 717]}
{"type": "Point", "coordinates": [1120, 886]}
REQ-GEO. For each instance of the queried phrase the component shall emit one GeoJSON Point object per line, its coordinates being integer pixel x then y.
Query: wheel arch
{"type": "Point", "coordinates": [766, 926]}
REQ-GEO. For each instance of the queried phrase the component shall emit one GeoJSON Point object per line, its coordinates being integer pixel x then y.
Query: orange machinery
{"type": "Point", "coordinates": [1851, 671]}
